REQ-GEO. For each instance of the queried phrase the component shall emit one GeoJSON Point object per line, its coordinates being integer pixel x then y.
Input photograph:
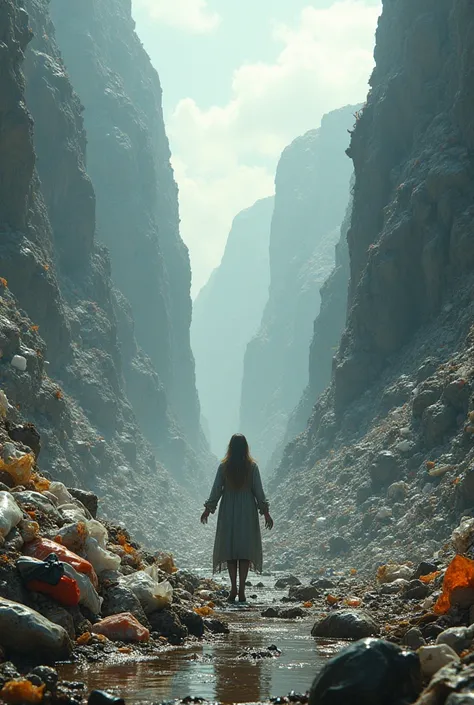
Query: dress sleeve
{"type": "Point", "coordinates": [216, 492]}
{"type": "Point", "coordinates": [257, 489]}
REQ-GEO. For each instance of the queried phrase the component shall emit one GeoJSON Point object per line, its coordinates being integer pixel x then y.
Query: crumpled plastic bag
{"type": "Point", "coordinates": [17, 464]}
{"type": "Point", "coordinates": [122, 627]}
{"type": "Point", "coordinates": [394, 571]}
{"type": "Point", "coordinates": [59, 490]}
{"type": "Point", "coordinates": [100, 558]}
{"type": "Point", "coordinates": [151, 595]}
{"type": "Point", "coordinates": [41, 547]}
{"type": "Point", "coordinates": [10, 513]}
{"type": "Point", "coordinates": [98, 532]}
{"type": "Point", "coordinates": [458, 579]}
{"type": "Point", "coordinates": [88, 594]}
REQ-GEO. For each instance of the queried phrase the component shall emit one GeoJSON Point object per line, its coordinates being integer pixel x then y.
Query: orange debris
{"type": "Point", "coordinates": [460, 574]}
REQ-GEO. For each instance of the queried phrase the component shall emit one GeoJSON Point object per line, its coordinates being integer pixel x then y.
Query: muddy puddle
{"type": "Point", "coordinates": [217, 671]}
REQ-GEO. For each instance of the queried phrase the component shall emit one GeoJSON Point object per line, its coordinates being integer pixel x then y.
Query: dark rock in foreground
{"type": "Point", "coordinates": [370, 672]}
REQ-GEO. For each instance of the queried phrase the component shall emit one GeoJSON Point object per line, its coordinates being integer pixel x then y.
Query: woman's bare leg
{"type": "Point", "coordinates": [232, 568]}
{"type": "Point", "coordinates": [243, 572]}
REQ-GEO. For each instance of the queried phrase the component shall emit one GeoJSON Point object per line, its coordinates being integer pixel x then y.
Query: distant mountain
{"type": "Point", "coordinates": [227, 314]}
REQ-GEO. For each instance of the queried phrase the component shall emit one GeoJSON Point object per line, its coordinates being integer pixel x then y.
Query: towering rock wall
{"type": "Point", "coordinates": [386, 460]}
{"type": "Point", "coordinates": [328, 329]}
{"type": "Point", "coordinates": [56, 299]}
{"type": "Point", "coordinates": [137, 204]}
{"type": "Point", "coordinates": [312, 190]}
{"type": "Point", "coordinates": [227, 314]}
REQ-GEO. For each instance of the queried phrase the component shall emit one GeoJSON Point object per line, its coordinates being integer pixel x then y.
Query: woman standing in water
{"type": "Point", "coordinates": [238, 539]}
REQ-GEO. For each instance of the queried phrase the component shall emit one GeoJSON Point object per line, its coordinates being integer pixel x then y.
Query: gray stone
{"type": "Point", "coordinates": [415, 590]}
{"type": "Point", "coordinates": [346, 624]}
{"type": "Point", "coordinates": [27, 632]}
{"type": "Point", "coordinates": [424, 568]}
{"type": "Point", "coordinates": [397, 492]}
{"type": "Point", "coordinates": [413, 638]}
{"type": "Point", "coordinates": [303, 593]}
{"type": "Point", "coordinates": [192, 621]}
{"type": "Point", "coordinates": [457, 394]}
{"type": "Point", "coordinates": [88, 499]}
{"type": "Point", "coordinates": [323, 583]}
{"type": "Point", "coordinates": [423, 399]}
{"type": "Point", "coordinates": [166, 623]}
{"type": "Point", "coordinates": [287, 581]}
{"type": "Point", "coordinates": [118, 598]}
{"type": "Point", "coordinates": [363, 493]}
{"type": "Point", "coordinates": [458, 638]}
{"type": "Point", "coordinates": [436, 421]}
{"type": "Point", "coordinates": [385, 469]}
{"type": "Point", "coordinates": [338, 545]}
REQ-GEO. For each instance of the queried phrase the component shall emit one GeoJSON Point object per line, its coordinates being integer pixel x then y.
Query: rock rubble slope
{"type": "Point", "coordinates": [312, 190]}
{"type": "Point", "coordinates": [137, 217]}
{"type": "Point", "coordinates": [386, 461]}
{"type": "Point", "coordinates": [226, 315]}
{"type": "Point", "coordinates": [61, 363]}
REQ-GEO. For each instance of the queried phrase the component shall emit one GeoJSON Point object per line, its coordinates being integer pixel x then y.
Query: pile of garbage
{"type": "Point", "coordinates": [75, 587]}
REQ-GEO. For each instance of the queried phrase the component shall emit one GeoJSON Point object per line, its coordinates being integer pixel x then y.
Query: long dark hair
{"type": "Point", "coordinates": [237, 462]}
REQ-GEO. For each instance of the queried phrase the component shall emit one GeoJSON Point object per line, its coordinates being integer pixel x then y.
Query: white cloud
{"type": "Point", "coordinates": [192, 16]}
{"type": "Point", "coordinates": [225, 156]}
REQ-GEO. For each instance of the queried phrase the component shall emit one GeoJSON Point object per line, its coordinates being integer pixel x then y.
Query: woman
{"type": "Point", "coordinates": [238, 538]}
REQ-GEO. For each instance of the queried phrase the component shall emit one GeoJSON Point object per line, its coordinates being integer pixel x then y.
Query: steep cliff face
{"type": "Point", "coordinates": [386, 460]}
{"type": "Point", "coordinates": [328, 329]}
{"type": "Point", "coordinates": [227, 314]}
{"type": "Point", "coordinates": [312, 189]}
{"type": "Point", "coordinates": [56, 303]}
{"type": "Point", "coordinates": [137, 205]}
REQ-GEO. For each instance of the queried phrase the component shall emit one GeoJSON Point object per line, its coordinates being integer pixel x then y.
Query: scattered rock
{"type": "Point", "coordinates": [322, 583]}
{"type": "Point", "coordinates": [397, 492]}
{"type": "Point", "coordinates": [338, 545]}
{"type": "Point", "coordinates": [192, 621]}
{"type": "Point", "coordinates": [370, 672]}
{"type": "Point", "coordinates": [303, 593]}
{"type": "Point", "coordinates": [346, 624]}
{"type": "Point", "coordinates": [424, 568]}
{"type": "Point", "coordinates": [287, 581]}
{"type": "Point", "coordinates": [27, 632]}
{"type": "Point", "coordinates": [25, 434]}
{"type": "Point", "coordinates": [433, 658]}
{"type": "Point", "coordinates": [166, 623]}
{"type": "Point", "coordinates": [436, 421]}
{"type": "Point", "coordinates": [395, 587]}
{"type": "Point", "coordinates": [118, 598]}
{"type": "Point", "coordinates": [458, 638]}
{"type": "Point", "coordinates": [415, 590]}
{"type": "Point", "coordinates": [216, 626]}
{"type": "Point", "coordinates": [413, 638]}
{"type": "Point", "coordinates": [385, 470]}
{"type": "Point", "coordinates": [88, 499]}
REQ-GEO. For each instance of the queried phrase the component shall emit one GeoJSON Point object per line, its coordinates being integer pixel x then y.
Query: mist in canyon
{"type": "Point", "coordinates": [221, 218]}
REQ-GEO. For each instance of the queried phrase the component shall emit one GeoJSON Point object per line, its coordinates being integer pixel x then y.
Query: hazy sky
{"type": "Point", "coordinates": [241, 79]}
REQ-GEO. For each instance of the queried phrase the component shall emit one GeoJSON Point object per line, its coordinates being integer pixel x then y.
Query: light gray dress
{"type": "Point", "coordinates": [238, 534]}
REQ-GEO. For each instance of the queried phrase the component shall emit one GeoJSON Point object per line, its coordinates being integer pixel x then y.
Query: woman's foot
{"type": "Point", "coordinates": [242, 597]}
{"type": "Point", "coordinates": [232, 596]}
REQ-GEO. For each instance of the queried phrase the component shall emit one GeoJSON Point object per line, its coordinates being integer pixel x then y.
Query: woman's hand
{"type": "Point", "coordinates": [205, 516]}
{"type": "Point", "coordinates": [268, 521]}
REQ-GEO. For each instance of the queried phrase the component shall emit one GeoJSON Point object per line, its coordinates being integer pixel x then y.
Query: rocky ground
{"type": "Point", "coordinates": [411, 625]}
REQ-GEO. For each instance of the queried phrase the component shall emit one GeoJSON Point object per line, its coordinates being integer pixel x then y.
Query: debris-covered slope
{"type": "Point", "coordinates": [386, 459]}
{"type": "Point", "coordinates": [56, 297]}
{"type": "Point", "coordinates": [226, 315]}
{"type": "Point", "coordinates": [137, 198]}
{"type": "Point", "coordinates": [312, 190]}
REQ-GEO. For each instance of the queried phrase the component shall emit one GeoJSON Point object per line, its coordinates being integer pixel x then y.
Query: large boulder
{"type": "Point", "coordinates": [346, 624]}
{"type": "Point", "coordinates": [88, 499]}
{"type": "Point", "coordinates": [26, 632]}
{"type": "Point", "coordinates": [370, 672]}
{"type": "Point", "coordinates": [192, 621]}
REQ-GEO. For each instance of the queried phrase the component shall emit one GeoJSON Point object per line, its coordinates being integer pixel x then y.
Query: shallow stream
{"type": "Point", "coordinates": [217, 671]}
